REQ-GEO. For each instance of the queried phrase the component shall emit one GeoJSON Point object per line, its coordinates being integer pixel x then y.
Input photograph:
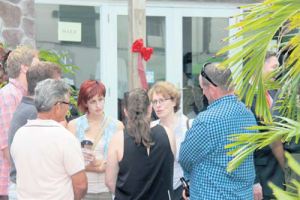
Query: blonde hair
{"type": "Point", "coordinates": [166, 89]}
{"type": "Point", "coordinates": [21, 55]}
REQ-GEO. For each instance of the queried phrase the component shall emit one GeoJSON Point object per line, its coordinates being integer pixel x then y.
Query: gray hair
{"type": "Point", "coordinates": [221, 77]}
{"type": "Point", "coordinates": [48, 93]}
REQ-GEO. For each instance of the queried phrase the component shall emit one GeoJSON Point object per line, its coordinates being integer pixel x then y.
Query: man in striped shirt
{"type": "Point", "coordinates": [18, 62]}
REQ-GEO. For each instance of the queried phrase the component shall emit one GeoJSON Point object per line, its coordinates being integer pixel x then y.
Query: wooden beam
{"type": "Point", "coordinates": [137, 30]}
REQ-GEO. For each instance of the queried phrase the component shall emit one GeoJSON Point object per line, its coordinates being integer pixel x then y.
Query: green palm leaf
{"type": "Point", "coordinates": [49, 56]}
{"type": "Point", "coordinates": [255, 35]}
{"type": "Point", "coordinates": [286, 129]}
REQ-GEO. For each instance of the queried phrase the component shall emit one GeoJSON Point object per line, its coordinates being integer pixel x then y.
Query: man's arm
{"type": "Point", "coordinates": [5, 117]}
{"type": "Point", "coordinates": [6, 154]}
{"type": "Point", "coordinates": [277, 146]}
{"type": "Point", "coordinates": [257, 192]}
{"type": "Point", "coordinates": [80, 185]}
{"type": "Point", "coordinates": [278, 151]}
{"type": "Point", "coordinates": [74, 165]}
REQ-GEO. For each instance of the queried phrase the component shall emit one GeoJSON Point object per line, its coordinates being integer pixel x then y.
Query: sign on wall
{"type": "Point", "coordinates": [150, 76]}
{"type": "Point", "coordinates": [69, 31]}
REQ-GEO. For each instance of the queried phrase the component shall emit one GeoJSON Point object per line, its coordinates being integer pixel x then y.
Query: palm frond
{"type": "Point", "coordinates": [281, 194]}
{"type": "Point", "coordinates": [286, 129]}
{"type": "Point", "coordinates": [255, 34]}
{"type": "Point", "coordinates": [285, 195]}
{"type": "Point", "coordinates": [47, 55]}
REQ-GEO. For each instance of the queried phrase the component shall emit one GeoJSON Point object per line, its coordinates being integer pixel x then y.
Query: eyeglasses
{"type": "Point", "coordinates": [160, 101]}
{"type": "Point", "coordinates": [70, 104]}
{"type": "Point", "coordinates": [205, 75]}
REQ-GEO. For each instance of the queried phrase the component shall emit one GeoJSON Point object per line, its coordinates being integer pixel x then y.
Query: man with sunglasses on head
{"type": "Point", "coordinates": [203, 156]}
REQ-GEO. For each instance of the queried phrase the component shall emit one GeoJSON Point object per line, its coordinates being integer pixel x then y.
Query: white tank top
{"type": "Point", "coordinates": [96, 181]}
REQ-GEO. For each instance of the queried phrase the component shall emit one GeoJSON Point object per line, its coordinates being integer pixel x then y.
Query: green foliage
{"type": "Point", "coordinates": [286, 130]}
{"type": "Point", "coordinates": [256, 31]}
{"type": "Point", "coordinates": [284, 195]}
{"type": "Point", "coordinates": [46, 55]}
{"type": "Point", "coordinates": [3, 57]}
{"type": "Point", "coordinates": [262, 22]}
{"type": "Point", "coordinates": [3, 84]}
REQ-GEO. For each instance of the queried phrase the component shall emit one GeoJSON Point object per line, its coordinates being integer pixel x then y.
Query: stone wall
{"type": "Point", "coordinates": [17, 19]}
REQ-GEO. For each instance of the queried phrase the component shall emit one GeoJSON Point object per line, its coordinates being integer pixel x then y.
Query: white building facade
{"type": "Point", "coordinates": [184, 35]}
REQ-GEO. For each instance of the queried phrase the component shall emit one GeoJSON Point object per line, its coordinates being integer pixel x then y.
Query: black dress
{"type": "Point", "coordinates": [143, 177]}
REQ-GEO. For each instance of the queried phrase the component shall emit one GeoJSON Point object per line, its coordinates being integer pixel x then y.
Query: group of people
{"type": "Point", "coordinates": [96, 157]}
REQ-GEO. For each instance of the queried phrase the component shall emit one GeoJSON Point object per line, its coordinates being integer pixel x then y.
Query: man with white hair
{"type": "Point", "coordinates": [203, 156]}
{"type": "Point", "coordinates": [47, 156]}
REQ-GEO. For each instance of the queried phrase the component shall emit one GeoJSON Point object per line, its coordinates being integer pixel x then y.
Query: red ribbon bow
{"type": "Point", "coordinates": [138, 46]}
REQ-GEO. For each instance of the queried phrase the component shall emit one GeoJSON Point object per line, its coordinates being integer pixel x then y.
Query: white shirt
{"type": "Point", "coordinates": [46, 155]}
{"type": "Point", "coordinates": [179, 132]}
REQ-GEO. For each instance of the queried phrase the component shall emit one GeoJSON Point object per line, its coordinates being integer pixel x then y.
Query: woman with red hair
{"type": "Point", "coordinates": [97, 127]}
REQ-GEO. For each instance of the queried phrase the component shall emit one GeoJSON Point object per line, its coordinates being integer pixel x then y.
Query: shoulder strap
{"type": "Point", "coordinates": [100, 133]}
{"type": "Point", "coordinates": [188, 124]}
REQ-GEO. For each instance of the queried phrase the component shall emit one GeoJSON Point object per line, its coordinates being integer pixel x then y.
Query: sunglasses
{"type": "Point", "coordinates": [203, 74]}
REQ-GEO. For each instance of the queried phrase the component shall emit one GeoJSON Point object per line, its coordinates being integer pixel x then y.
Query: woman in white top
{"type": "Point", "coordinates": [98, 128]}
{"type": "Point", "coordinates": [165, 100]}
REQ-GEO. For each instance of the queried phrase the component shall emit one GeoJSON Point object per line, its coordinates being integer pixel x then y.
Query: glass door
{"type": "Point", "coordinates": [156, 67]}
{"type": "Point", "coordinates": [183, 39]}
{"type": "Point", "coordinates": [202, 34]}
{"type": "Point", "coordinates": [201, 41]}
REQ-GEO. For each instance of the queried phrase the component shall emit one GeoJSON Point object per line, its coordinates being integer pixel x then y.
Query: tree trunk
{"type": "Point", "coordinates": [137, 30]}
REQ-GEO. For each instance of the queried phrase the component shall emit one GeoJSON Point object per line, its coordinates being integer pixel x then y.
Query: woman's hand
{"type": "Point", "coordinates": [88, 155]}
{"type": "Point", "coordinates": [99, 168]}
{"type": "Point", "coordinates": [98, 162]}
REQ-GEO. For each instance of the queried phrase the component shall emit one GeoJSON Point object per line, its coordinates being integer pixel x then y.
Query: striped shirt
{"type": "Point", "coordinates": [10, 96]}
{"type": "Point", "coordinates": [203, 156]}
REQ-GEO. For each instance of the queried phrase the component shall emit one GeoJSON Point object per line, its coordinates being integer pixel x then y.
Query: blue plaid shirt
{"type": "Point", "coordinates": [203, 156]}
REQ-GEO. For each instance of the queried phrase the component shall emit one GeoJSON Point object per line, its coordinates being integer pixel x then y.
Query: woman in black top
{"type": "Point", "coordinates": [140, 159]}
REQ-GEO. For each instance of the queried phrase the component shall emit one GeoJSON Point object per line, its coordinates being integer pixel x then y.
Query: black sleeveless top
{"type": "Point", "coordinates": [143, 177]}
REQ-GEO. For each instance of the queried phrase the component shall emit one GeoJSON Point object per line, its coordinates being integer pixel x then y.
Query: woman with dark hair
{"type": "Point", "coordinates": [140, 159]}
{"type": "Point", "coordinates": [96, 128]}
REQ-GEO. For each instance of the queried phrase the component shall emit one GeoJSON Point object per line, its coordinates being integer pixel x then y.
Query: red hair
{"type": "Point", "coordinates": [88, 90]}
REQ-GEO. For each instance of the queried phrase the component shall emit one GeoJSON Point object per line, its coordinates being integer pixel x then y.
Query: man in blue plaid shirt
{"type": "Point", "coordinates": [203, 155]}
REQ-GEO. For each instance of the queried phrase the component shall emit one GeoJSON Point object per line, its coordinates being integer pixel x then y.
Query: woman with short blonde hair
{"type": "Point", "coordinates": [165, 100]}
